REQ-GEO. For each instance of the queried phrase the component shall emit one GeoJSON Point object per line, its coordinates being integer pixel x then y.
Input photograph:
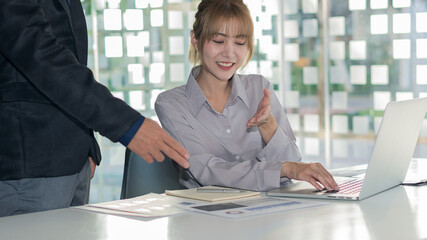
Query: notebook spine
{"type": "Point", "coordinates": [243, 189]}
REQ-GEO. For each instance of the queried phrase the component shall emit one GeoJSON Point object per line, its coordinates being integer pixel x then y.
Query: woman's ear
{"type": "Point", "coordinates": [194, 41]}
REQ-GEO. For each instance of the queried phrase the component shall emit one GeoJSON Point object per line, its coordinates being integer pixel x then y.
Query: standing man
{"type": "Point", "coordinates": [50, 104]}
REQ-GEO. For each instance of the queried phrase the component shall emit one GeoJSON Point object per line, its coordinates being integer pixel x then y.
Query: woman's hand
{"type": "Point", "coordinates": [263, 112]}
{"type": "Point", "coordinates": [263, 119]}
{"type": "Point", "coordinates": [313, 173]}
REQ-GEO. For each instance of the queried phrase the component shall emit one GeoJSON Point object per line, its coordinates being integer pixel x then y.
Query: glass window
{"type": "Point", "coordinates": [334, 70]}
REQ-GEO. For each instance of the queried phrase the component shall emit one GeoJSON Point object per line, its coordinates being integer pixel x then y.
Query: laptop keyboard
{"type": "Point", "coordinates": [347, 187]}
{"type": "Point", "coordinates": [351, 187]}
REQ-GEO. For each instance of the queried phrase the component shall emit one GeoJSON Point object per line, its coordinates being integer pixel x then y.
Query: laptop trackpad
{"type": "Point", "coordinates": [302, 188]}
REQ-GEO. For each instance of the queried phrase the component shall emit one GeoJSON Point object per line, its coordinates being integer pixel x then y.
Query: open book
{"type": "Point", "coordinates": [216, 195]}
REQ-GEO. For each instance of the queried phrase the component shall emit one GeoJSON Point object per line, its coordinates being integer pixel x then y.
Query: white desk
{"type": "Point", "coordinates": [399, 213]}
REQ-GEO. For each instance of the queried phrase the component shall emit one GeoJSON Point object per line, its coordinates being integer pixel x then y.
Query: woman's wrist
{"type": "Point", "coordinates": [287, 170]}
{"type": "Point", "coordinates": [268, 128]}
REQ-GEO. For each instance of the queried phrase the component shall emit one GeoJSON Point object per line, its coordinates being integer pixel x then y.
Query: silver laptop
{"type": "Point", "coordinates": [390, 158]}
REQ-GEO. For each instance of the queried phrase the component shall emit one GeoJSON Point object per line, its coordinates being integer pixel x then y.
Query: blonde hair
{"type": "Point", "coordinates": [212, 15]}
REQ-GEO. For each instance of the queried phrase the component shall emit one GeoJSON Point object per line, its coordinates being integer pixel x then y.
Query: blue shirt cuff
{"type": "Point", "coordinates": [127, 137]}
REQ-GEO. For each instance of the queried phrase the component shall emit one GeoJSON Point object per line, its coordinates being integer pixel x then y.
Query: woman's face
{"type": "Point", "coordinates": [224, 54]}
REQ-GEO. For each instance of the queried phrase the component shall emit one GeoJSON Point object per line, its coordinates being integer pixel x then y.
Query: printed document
{"type": "Point", "coordinates": [249, 207]}
{"type": "Point", "coordinates": [149, 205]}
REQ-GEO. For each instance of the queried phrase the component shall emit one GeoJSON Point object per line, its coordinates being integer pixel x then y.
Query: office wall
{"type": "Point", "coordinates": [334, 64]}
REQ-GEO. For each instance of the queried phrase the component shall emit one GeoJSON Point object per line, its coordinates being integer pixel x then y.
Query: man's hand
{"type": "Point", "coordinates": [92, 167]}
{"type": "Point", "coordinates": [313, 173]}
{"type": "Point", "coordinates": [151, 140]}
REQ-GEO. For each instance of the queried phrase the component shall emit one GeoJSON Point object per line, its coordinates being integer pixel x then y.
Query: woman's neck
{"type": "Point", "coordinates": [216, 91]}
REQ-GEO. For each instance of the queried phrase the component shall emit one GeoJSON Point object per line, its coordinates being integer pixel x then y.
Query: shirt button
{"type": "Point", "coordinates": [228, 130]}
{"type": "Point", "coordinates": [237, 157]}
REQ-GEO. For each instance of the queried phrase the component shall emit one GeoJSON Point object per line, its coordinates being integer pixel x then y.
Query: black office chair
{"type": "Point", "coordinates": [140, 177]}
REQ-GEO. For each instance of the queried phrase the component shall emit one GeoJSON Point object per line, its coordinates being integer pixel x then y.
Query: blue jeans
{"type": "Point", "coordinates": [39, 194]}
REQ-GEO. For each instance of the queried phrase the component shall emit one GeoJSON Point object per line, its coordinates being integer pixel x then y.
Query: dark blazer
{"type": "Point", "coordinates": [49, 99]}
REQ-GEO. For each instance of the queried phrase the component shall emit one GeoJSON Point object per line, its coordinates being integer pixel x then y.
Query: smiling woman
{"type": "Point", "coordinates": [228, 15]}
{"type": "Point", "coordinates": [221, 57]}
{"type": "Point", "coordinates": [234, 127]}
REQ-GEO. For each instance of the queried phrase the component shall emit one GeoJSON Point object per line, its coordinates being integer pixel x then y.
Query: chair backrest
{"type": "Point", "coordinates": [140, 177]}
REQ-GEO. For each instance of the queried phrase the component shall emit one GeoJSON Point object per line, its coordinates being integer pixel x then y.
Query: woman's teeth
{"type": "Point", "coordinates": [225, 64]}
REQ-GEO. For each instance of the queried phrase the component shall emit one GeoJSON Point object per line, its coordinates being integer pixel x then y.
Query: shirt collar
{"type": "Point", "coordinates": [196, 98]}
{"type": "Point", "coordinates": [237, 91]}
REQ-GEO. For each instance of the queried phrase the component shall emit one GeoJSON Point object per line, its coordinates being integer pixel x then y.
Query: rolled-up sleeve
{"type": "Point", "coordinates": [280, 147]}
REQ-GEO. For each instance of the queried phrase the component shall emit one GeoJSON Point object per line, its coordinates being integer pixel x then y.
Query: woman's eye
{"type": "Point", "coordinates": [217, 41]}
{"type": "Point", "coordinates": [240, 43]}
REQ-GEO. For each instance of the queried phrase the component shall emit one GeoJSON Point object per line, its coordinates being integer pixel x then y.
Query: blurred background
{"type": "Point", "coordinates": [334, 65]}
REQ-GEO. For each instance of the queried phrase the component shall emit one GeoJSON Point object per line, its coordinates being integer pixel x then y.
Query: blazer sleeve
{"type": "Point", "coordinates": [27, 42]}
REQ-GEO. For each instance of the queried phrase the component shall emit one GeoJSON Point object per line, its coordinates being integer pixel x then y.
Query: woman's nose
{"type": "Point", "coordinates": [228, 50]}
